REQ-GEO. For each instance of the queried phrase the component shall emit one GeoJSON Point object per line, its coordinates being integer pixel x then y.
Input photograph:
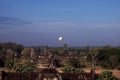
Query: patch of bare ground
{"type": "Point", "coordinates": [6, 69]}
{"type": "Point", "coordinates": [99, 69]}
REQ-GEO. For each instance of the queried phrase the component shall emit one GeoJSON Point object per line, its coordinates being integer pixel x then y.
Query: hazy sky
{"type": "Point", "coordinates": [79, 22]}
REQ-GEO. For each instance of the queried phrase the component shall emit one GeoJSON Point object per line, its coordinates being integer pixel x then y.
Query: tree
{"type": "Point", "coordinates": [1, 63]}
{"type": "Point", "coordinates": [118, 66]}
{"type": "Point", "coordinates": [109, 55]}
{"type": "Point", "coordinates": [92, 56]}
{"type": "Point", "coordinates": [71, 69]}
{"type": "Point", "coordinates": [68, 69]}
{"type": "Point", "coordinates": [113, 60]}
{"type": "Point", "coordinates": [17, 65]}
{"type": "Point", "coordinates": [27, 66]}
{"type": "Point", "coordinates": [13, 46]}
{"type": "Point", "coordinates": [2, 58]}
{"type": "Point", "coordinates": [9, 62]}
{"type": "Point", "coordinates": [73, 62]}
{"type": "Point", "coordinates": [1, 47]}
{"type": "Point", "coordinates": [56, 63]}
{"type": "Point", "coordinates": [26, 53]}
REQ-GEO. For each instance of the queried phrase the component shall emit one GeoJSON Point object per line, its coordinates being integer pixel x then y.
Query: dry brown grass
{"type": "Point", "coordinates": [6, 69]}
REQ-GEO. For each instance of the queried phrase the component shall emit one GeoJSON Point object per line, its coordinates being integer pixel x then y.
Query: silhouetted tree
{"type": "Point", "coordinates": [1, 63]}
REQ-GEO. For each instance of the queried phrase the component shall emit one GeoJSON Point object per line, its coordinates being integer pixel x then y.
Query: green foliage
{"type": "Point", "coordinates": [73, 62]}
{"type": "Point", "coordinates": [89, 58]}
{"type": "Point", "coordinates": [79, 70]}
{"type": "Point", "coordinates": [68, 69]}
{"type": "Point", "coordinates": [2, 58]}
{"type": "Point", "coordinates": [25, 67]}
{"type": "Point", "coordinates": [106, 64]}
{"type": "Point", "coordinates": [106, 75]}
{"type": "Point", "coordinates": [8, 51]}
{"type": "Point", "coordinates": [1, 63]}
{"type": "Point", "coordinates": [109, 57]}
{"type": "Point", "coordinates": [10, 45]}
{"type": "Point", "coordinates": [26, 53]}
{"type": "Point", "coordinates": [118, 66]}
{"type": "Point", "coordinates": [92, 53]}
{"type": "Point", "coordinates": [9, 59]}
{"type": "Point", "coordinates": [113, 60]}
{"type": "Point", "coordinates": [17, 66]}
{"type": "Point", "coordinates": [9, 64]}
{"type": "Point", "coordinates": [71, 69]}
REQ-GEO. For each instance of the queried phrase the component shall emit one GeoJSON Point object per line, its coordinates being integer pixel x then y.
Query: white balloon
{"type": "Point", "coordinates": [60, 38]}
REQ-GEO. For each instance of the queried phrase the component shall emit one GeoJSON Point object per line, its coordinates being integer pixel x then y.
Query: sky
{"type": "Point", "coordinates": [79, 22]}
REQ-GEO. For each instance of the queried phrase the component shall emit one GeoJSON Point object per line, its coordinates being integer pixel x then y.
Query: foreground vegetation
{"type": "Point", "coordinates": [18, 58]}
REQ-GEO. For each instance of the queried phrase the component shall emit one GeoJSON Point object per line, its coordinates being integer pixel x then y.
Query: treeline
{"type": "Point", "coordinates": [8, 51]}
{"type": "Point", "coordinates": [10, 45]}
{"type": "Point", "coordinates": [109, 57]}
{"type": "Point", "coordinates": [10, 57]}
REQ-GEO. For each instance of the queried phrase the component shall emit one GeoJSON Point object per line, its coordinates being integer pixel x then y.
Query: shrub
{"type": "Point", "coordinates": [70, 69]}
{"type": "Point", "coordinates": [106, 75]}
{"type": "Point", "coordinates": [118, 66]}
{"type": "Point", "coordinates": [106, 64]}
{"type": "Point", "coordinates": [25, 67]}
{"type": "Point", "coordinates": [73, 62]}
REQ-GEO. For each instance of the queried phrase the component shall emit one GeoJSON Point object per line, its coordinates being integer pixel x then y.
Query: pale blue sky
{"type": "Point", "coordinates": [41, 22]}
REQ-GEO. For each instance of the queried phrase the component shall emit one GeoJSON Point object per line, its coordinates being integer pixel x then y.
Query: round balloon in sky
{"type": "Point", "coordinates": [60, 38]}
